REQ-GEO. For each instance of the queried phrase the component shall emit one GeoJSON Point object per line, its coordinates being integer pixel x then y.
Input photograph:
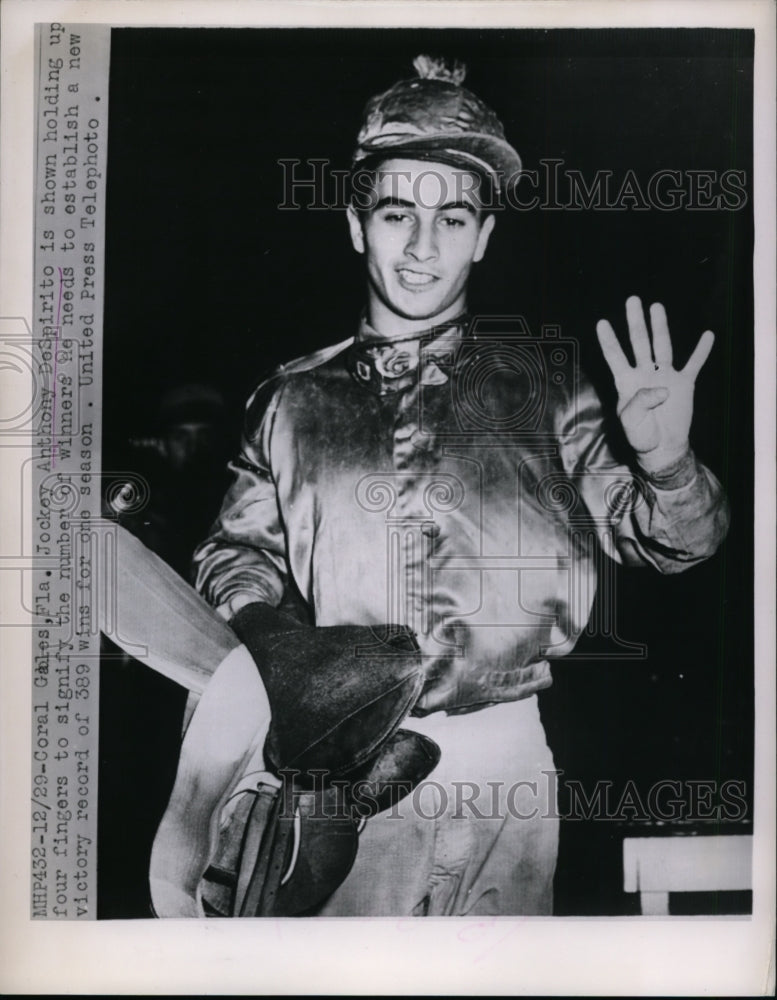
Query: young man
{"type": "Point", "coordinates": [425, 475]}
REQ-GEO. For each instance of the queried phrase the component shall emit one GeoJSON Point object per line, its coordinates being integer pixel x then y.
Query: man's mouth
{"type": "Point", "coordinates": [415, 279]}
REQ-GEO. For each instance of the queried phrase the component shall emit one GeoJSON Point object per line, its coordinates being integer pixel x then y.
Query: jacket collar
{"type": "Point", "coordinates": [388, 366]}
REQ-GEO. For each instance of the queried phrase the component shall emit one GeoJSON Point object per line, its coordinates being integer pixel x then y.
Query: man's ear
{"type": "Point", "coordinates": [355, 226]}
{"type": "Point", "coordinates": [483, 237]}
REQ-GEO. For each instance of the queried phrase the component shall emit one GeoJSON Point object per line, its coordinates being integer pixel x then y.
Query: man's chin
{"type": "Point", "coordinates": [420, 308]}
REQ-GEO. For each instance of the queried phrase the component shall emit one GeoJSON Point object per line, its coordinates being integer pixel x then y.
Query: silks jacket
{"type": "Point", "coordinates": [459, 483]}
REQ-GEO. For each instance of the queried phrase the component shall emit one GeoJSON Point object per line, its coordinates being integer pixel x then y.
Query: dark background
{"type": "Point", "coordinates": [206, 280]}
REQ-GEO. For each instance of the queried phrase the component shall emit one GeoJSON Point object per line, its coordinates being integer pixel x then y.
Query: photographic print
{"type": "Point", "coordinates": [389, 516]}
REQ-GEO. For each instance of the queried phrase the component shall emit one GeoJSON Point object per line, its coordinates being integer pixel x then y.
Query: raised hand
{"type": "Point", "coordinates": [655, 400]}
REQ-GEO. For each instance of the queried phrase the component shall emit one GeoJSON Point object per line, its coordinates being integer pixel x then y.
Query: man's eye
{"type": "Point", "coordinates": [395, 216]}
{"type": "Point", "coordinates": [452, 222]}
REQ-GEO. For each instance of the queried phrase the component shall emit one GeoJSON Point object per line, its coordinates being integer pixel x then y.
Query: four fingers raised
{"type": "Point", "coordinates": [661, 353]}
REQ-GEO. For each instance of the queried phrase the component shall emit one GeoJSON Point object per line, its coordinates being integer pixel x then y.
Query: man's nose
{"type": "Point", "coordinates": [422, 244]}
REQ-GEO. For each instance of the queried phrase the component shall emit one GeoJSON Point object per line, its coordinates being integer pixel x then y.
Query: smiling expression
{"type": "Point", "coordinates": [421, 235]}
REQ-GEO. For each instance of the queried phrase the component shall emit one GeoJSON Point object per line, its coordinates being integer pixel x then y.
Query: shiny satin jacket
{"type": "Point", "coordinates": [459, 483]}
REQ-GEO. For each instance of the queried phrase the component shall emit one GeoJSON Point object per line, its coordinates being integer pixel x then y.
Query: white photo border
{"type": "Point", "coordinates": [585, 956]}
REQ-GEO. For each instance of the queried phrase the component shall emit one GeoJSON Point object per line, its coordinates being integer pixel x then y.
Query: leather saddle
{"type": "Point", "coordinates": [336, 756]}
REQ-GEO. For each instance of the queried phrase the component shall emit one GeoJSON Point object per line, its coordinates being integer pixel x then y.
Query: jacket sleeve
{"type": "Point", "coordinates": [244, 558]}
{"type": "Point", "coordinates": [670, 520]}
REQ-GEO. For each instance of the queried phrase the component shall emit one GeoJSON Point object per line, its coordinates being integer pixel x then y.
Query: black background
{"type": "Point", "coordinates": [207, 280]}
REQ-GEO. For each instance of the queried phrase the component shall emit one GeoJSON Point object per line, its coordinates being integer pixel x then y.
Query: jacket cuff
{"type": "Point", "coordinates": [680, 473]}
{"type": "Point", "coordinates": [229, 609]}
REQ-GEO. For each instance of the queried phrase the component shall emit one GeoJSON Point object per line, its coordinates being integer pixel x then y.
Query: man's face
{"type": "Point", "coordinates": [190, 445]}
{"type": "Point", "coordinates": [421, 235]}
